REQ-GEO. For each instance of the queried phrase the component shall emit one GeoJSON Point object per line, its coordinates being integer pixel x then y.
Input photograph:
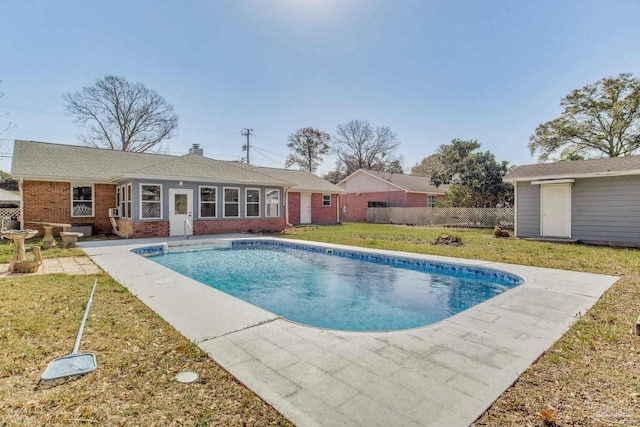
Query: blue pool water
{"type": "Point", "coordinates": [341, 289]}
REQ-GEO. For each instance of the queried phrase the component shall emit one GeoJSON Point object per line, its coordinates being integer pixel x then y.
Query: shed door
{"type": "Point", "coordinates": [305, 208]}
{"type": "Point", "coordinates": [555, 204]}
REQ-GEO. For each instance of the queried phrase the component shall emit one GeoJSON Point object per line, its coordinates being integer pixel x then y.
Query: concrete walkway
{"type": "Point", "coordinates": [76, 265]}
{"type": "Point", "coordinates": [445, 374]}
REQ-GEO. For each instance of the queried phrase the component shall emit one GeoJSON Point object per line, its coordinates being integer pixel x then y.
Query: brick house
{"type": "Point", "coordinates": [148, 195]}
{"type": "Point", "coordinates": [373, 189]}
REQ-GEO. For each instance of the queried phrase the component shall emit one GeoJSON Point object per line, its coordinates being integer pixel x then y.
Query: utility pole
{"type": "Point", "coordinates": [246, 132]}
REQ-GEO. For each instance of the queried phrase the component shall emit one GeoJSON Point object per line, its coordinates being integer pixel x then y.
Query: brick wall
{"type": "Point", "coordinates": [238, 226]}
{"type": "Point", "coordinates": [150, 229]}
{"type": "Point", "coordinates": [51, 202]}
{"type": "Point", "coordinates": [323, 214]}
{"type": "Point", "coordinates": [294, 208]}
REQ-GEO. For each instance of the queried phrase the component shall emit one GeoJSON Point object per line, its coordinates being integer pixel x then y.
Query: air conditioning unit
{"type": "Point", "coordinates": [114, 212]}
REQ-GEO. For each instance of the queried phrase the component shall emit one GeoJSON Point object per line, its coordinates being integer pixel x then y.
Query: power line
{"type": "Point", "coordinates": [247, 132]}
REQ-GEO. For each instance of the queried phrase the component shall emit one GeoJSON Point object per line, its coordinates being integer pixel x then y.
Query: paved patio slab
{"type": "Point", "coordinates": [445, 374]}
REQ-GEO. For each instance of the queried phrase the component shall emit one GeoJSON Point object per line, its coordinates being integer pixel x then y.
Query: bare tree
{"type": "Point", "coordinates": [307, 146]}
{"type": "Point", "coordinates": [122, 116]}
{"type": "Point", "coordinates": [359, 146]}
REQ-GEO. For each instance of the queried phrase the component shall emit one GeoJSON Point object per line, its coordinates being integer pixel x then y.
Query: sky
{"type": "Point", "coordinates": [430, 70]}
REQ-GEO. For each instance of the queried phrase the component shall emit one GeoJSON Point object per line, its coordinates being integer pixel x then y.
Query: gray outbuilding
{"type": "Point", "coordinates": [591, 201]}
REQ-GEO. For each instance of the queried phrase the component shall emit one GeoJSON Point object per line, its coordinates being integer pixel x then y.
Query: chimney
{"type": "Point", "coordinates": [196, 150]}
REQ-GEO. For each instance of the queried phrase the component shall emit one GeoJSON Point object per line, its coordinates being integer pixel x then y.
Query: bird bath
{"type": "Point", "coordinates": [18, 237]}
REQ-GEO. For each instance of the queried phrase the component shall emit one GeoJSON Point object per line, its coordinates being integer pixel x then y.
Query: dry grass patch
{"type": "Point", "coordinates": [138, 356]}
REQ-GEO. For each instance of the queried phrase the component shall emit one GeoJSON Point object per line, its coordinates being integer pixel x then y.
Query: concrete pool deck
{"type": "Point", "coordinates": [445, 374]}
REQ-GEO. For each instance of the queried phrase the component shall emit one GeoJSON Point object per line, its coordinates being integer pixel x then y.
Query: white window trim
{"type": "Point", "coordinates": [128, 203]}
{"type": "Point", "coordinates": [247, 203]}
{"type": "Point", "coordinates": [161, 201]}
{"type": "Point", "coordinates": [266, 202]}
{"type": "Point", "coordinates": [224, 202]}
{"type": "Point", "coordinates": [323, 196]}
{"type": "Point", "coordinates": [435, 201]}
{"type": "Point", "coordinates": [93, 199]}
{"type": "Point", "coordinates": [215, 203]}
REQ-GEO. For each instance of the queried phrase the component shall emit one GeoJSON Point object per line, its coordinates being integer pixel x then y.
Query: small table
{"type": "Point", "coordinates": [48, 241]}
{"type": "Point", "coordinates": [18, 237]}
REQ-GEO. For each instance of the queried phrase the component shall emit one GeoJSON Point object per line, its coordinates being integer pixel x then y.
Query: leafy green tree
{"type": "Point", "coordinates": [122, 116]}
{"type": "Point", "coordinates": [428, 166]}
{"type": "Point", "coordinates": [395, 166]}
{"type": "Point", "coordinates": [307, 146]}
{"type": "Point", "coordinates": [599, 120]}
{"type": "Point", "coordinates": [358, 145]}
{"type": "Point", "coordinates": [474, 177]}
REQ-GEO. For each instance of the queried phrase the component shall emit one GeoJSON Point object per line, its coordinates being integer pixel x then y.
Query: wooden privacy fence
{"type": "Point", "coordinates": [445, 217]}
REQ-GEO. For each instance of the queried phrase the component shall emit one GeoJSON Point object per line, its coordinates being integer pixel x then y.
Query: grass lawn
{"type": "Point", "coordinates": [590, 377]}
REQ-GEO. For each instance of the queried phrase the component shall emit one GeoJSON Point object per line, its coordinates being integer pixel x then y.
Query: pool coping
{"type": "Point", "coordinates": [447, 373]}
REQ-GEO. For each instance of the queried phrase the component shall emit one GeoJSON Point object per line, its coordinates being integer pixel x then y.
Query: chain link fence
{"type": "Point", "coordinates": [444, 217]}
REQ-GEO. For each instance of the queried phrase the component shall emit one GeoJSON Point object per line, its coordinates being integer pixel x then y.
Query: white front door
{"type": "Point", "coordinates": [555, 201]}
{"type": "Point", "coordinates": [305, 208]}
{"type": "Point", "coordinates": [180, 206]}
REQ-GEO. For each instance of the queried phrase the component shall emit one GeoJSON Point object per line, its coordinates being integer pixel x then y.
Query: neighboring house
{"type": "Point", "coordinates": [593, 201]}
{"type": "Point", "coordinates": [144, 194]}
{"type": "Point", "coordinates": [372, 189]}
{"type": "Point", "coordinates": [312, 200]}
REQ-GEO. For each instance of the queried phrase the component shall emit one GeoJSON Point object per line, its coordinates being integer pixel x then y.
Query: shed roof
{"type": "Point", "coordinates": [8, 196]}
{"type": "Point", "coordinates": [608, 166]}
{"type": "Point", "coordinates": [408, 183]}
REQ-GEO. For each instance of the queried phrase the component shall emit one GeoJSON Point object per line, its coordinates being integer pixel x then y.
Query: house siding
{"type": "Point", "coordinates": [528, 218]}
{"type": "Point", "coordinates": [51, 202]}
{"type": "Point", "coordinates": [606, 209]}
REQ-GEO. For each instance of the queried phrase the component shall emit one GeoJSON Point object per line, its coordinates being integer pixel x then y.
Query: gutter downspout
{"type": "Point", "coordinates": [286, 207]}
{"type": "Point", "coordinates": [21, 190]}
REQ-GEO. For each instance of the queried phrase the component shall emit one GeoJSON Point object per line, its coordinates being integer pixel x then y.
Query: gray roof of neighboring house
{"type": "Point", "coordinates": [409, 183]}
{"type": "Point", "coordinates": [303, 180]}
{"type": "Point", "coordinates": [47, 161]}
{"type": "Point", "coordinates": [608, 166]}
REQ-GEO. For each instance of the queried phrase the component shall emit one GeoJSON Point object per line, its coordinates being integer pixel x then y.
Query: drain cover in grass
{"type": "Point", "coordinates": [186, 377]}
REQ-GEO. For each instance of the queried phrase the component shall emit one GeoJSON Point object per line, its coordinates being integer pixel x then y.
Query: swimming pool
{"type": "Point", "coordinates": [336, 288]}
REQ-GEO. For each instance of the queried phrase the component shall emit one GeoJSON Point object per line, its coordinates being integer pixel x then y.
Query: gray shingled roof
{"type": "Point", "coordinates": [195, 167]}
{"type": "Point", "coordinates": [303, 180]}
{"type": "Point", "coordinates": [41, 160]}
{"type": "Point", "coordinates": [410, 183]}
{"type": "Point", "coordinates": [44, 160]}
{"type": "Point", "coordinates": [609, 166]}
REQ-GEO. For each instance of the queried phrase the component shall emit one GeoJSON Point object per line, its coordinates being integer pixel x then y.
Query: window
{"type": "Point", "coordinates": [150, 201]}
{"type": "Point", "coordinates": [326, 200]}
{"type": "Point", "coordinates": [272, 202]}
{"type": "Point", "coordinates": [118, 196]}
{"type": "Point", "coordinates": [129, 211]}
{"type": "Point", "coordinates": [252, 201]}
{"type": "Point", "coordinates": [377, 204]}
{"type": "Point", "coordinates": [208, 202]}
{"type": "Point", "coordinates": [431, 201]}
{"type": "Point", "coordinates": [231, 202]}
{"type": "Point", "coordinates": [81, 200]}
